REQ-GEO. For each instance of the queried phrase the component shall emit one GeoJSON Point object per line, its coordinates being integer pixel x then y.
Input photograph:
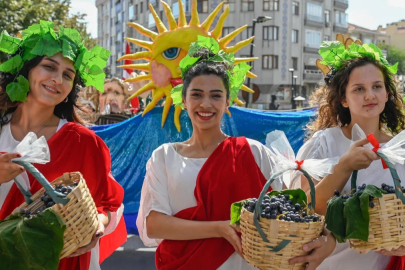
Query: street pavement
{"type": "Point", "coordinates": [133, 255]}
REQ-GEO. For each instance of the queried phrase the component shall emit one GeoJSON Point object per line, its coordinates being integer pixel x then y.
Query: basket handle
{"type": "Point", "coordinates": [394, 174]}
{"type": "Point", "coordinates": [258, 208]}
{"type": "Point", "coordinates": [57, 197]}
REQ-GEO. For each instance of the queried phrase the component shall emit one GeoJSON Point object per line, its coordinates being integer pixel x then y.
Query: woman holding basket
{"type": "Point", "coordinates": [38, 93]}
{"type": "Point", "coordinates": [189, 186]}
{"type": "Point", "coordinates": [359, 89]}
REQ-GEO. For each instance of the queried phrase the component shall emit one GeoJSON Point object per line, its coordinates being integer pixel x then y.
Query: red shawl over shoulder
{"type": "Point", "coordinates": [229, 175]}
{"type": "Point", "coordinates": [76, 148]}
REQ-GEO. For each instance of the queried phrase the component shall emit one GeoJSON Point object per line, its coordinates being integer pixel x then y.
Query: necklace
{"type": "Point", "coordinates": [36, 133]}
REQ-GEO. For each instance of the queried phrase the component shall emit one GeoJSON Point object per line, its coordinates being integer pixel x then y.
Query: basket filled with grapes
{"type": "Point", "coordinates": [371, 218]}
{"type": "Point", "coordinates": [70, 200]}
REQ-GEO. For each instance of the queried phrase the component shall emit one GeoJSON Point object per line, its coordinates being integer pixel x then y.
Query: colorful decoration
{"type": "Point", "coordinates": [41, 39]}
{"type": "Point", "coordinates": [169, 46]}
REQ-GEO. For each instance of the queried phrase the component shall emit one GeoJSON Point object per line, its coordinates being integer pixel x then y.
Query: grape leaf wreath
{"type": "Point", "coordinates": [40, 40]}
{"type": "Point", "coordinates": [236, 73]}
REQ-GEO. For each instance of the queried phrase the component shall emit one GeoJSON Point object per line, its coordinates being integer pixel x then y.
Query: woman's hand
{"type": "Point", "coordinates": [358, 157]}
{"type": "Point", "coordinates": [395, 252]}
{"type": "Point", "coordinates": [319, 250]}
{"type": "Point", "coordinates": [8, 169]}
{"type": "Point", "coordinates": [230, 233]}
{"type": "Point", "coordinates": [97, 235]}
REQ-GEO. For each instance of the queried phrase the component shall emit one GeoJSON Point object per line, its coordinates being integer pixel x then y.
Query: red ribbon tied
{"type": "Point", "coordinates": [377, 146]}
{"type": "Point", "coordinates": [299, 163]}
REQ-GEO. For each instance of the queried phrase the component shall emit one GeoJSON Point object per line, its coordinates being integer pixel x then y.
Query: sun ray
{"type": "Point", "coordinates": [182, 15]}
{"type": "Point", "coordinates": [169, 15]}
{"type": "Point", "coordinates": [139, 78]}
{"type": "Point", "coordinates": [239, 45]}
{"type": "Point", "coordinates": [194, 14]}
{"type": "Point", "coordinates": [177, 113]}
{"type": "Point", "coordinates": [144, 67]}
{"type": "Point", "coordinates": [166, 109]}
{"type": "Point", "coordinates": [154, 101]}
{"type": "Point", "coordinates": [136, 56]}
{"type": "Point", "coordinates": [247, 89]}
{"type": "Point", "coordinates": [245, 60]}
{"type": "Point", "coordinates": [159, 24]}
{"type": "Point", "coordinates": [251, 75]}
{"type": "Point", "coordinates": [145, 44]}
{"type": "Point", "coordinates": [228, 38]}
{"type": "Point", "coordinates": [228, 112]}
{"type": "Point", "coordinates": [146, 87]}
{"type": "Point", "coordinates": [144, 31]}
{"type": "Point", "coordinates": [208, 22]}
{"type": "Point", "coordinates": [239, 102]}
{"type": "Point", "coordinates": [217, 32]}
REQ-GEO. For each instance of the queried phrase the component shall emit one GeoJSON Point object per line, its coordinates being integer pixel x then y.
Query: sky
{"type": "Point", "coordinates": [366, 13]}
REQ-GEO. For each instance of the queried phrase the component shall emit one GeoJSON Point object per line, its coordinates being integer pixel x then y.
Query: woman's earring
{"type": "Point", "coordinates": [392, 97]}
{"type": "Point", "coordinates": [66, 99]}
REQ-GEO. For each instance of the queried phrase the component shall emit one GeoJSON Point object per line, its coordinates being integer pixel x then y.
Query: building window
{"type": "Point", "coordinates": [141, 7]}
{"type": "Point", "coordinates": [248, 5]}
{"type": "Point", "coordinates": [247, 33]}
{"type": "Point", "coordinates": [340, 18]}
{"type": "Point", "coordinates": [151, 20]}
{"type": "Point", "coordinates": [249, 63]}
{"type": "Point", "coordinates": [270, 5]}
{"type": "Point", "coordinates": [326, 38]}
{"type": "Point", "coordinates": [295, 8]}
{"type": "Point", "coordinates": [136, 11]}
{"type": "Point", "coordinates": [270, 32]}
{"type": "Point", "coordinates": [327, 16]}
{"type": "Point", "coordinates": [231, 4]}
{"type": "Point", "coordinates": [312, 38]}
{"type": "Point", "coordinates": [227, 30]}
{"type": "Point", "coordinates": [270, 62]}
{"type": "Point", "coordinates": [314, 12]}
{"type": "Point", "coordinates": [294, 37]}
{"type": "Point", "coordinates": [202, 6]}
{"type": "Point", "coordinates": [294, 63]}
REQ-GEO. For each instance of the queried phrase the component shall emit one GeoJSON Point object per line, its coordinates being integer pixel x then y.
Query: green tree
{"type": "Point", "coordinates": [16, 15]}
{"type": "Point", "coordinates": [394, 55]}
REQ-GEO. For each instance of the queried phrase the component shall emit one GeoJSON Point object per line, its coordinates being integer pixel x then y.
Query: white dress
{"type": "Point", "coordinates": [8, 144]}
{"type": "Point", "coordinates": [331, 143]}
{"type": "Point", "coordinates": [169, 188]}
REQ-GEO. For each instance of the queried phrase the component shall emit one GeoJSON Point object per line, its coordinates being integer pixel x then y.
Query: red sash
{"type": "Point", "coordinates": [229, 175]}
{"type": "Point", "coordinates": [76, 148]}
{"type": "Point", "coordinates": [396, 263]}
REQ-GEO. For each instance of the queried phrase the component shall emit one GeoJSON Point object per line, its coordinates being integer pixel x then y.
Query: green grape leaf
{"type": "Point", "coordinates": [47, 45]}
{"type": "Point", "coordinates": [393, 69]}
{"type": "Point", "coordinates": [236, 209]}
{"type": "Point", "coordinates": [71, 34]}
{"type": "Point", "coordinates": [17, 91]}
{"type": "Point", "coordinates": [12, 65]}
{"type": "Point", "coordinates": [176, 95]}
{"type": "Point", "coordinates": [9, 44]}
{"type": "Point", "coordinates": [356, 223]}
{"type": "Point", "coordinates": [187, 62]}
{"type": "Point", "coordinates": [335, 220]}
{"type": "Point", "coordinates": [96, 80]}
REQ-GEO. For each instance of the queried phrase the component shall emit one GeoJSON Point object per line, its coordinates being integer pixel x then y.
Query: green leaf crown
{"type": "Point", "coordinates": [40, 40]}
{"type": "Point", "coordinates": [236, 73]}
{"type": "Point", "coordinates": [335, 55]}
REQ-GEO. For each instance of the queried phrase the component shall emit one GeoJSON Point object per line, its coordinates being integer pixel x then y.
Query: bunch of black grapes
{"type": "Point", "coordinates": [329, 77]}
{"type": "Point", "coordinates": [282, 208]}
{"type": "Point", "coordinates": [47, 200]}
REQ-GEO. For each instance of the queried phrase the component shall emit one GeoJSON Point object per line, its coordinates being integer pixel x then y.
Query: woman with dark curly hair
{"type": "Point", "coordinates": [38, 93]}
{"type": "Point", "coordinates": [361, 90]}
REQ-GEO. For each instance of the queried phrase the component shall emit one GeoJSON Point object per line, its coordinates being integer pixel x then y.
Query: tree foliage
{"type": "Point", "coordinates": [395, 54]}
{"type": "Point", "coordinates": [16, 15]}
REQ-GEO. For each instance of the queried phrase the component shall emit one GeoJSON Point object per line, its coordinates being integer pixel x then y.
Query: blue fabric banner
{"type": "Point", "coordinates": [132, 142]}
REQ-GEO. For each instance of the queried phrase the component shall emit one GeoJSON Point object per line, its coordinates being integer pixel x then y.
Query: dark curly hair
{"type": "Point", "coordinates": [64, 110]}
{"type": "Point", "coordinates": [204, 67]}
{"type": "Point", "coordinates": [329, 96]}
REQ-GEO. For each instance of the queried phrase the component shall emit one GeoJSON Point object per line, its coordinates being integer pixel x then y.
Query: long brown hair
{"type": "Point", "coordinates": [64, 110]}
{"type": "Point", "coordinates": [329, 98]}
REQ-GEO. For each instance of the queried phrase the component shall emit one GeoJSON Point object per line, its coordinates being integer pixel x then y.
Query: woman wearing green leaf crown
{"type": "Point", "coordinates": [38, 93]}
{"type": "Point", "coordinates": [189, 186]}
{"type": "Point", "coordinates": [359, 89]}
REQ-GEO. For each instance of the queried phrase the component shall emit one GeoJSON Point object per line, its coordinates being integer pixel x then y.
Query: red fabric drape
{"type": "Point", "coordinates": [76, 148]}
{"type": "Point", "coordinates": [229, 175]}
{"type": "Point", "coordinates": [396, 263]}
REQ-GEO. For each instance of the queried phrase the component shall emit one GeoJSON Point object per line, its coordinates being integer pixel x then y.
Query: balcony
{"type": "Point", "coordinates": [319, 1]}
{"type": "Point", "coordinates": [313, 75]}
{"type": "Point", "coordinates": [340, 28]}
{"type": "Point", "coordinates": [343, 4]}
{"type": "Point", "coordinates": [313, 21]}
{"type": "Point", "coordinates": [311, 49]}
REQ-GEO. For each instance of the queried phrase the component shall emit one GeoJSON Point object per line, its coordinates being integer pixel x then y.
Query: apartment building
{"type": "Point", "coordinates": [396, 33]}
{"type": "Point", "coordinates": [287, 45]}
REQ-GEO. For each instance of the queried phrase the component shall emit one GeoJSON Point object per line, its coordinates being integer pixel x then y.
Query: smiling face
{"type": "Point", "coordinates": [206, 101]}
{"type": "Point", "coordinates": [51, 80]}
{"type": "Point", "coordinates": [366, 94]}
{"type": "Point", "coordinates": [114, 96]}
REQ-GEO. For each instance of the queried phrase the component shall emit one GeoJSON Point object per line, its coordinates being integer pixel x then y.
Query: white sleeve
{"type": "Point", "coordinates": [154, 195]}
{"type": "Point", "coordinates": [265, 160]}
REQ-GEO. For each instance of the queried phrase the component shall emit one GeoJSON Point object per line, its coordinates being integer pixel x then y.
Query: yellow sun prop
{"type": "Point", "coordinates": [168, 47]}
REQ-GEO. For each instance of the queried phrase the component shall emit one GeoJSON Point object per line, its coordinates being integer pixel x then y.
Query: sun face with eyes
{"type": "Point", "coordinates": [169, 46]}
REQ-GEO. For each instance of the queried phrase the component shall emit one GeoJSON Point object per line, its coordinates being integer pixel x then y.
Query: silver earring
{"type": "Point", "coordinates": [392, 97]}
{"type": "Point", "coordinates": [66, 99]}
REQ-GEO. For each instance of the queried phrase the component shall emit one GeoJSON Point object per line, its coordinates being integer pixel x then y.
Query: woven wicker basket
{"type": "Point", "coordinates": [79, 214]}
{"type": "Point", "coordinates": [387, 227]}
{"type": "Point", "coordinates": [284, 239]}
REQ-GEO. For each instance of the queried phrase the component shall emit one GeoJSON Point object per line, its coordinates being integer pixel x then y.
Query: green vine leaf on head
{"type": "Point", "coordinates": [12, 65]}
{"type": "Point", "coordinates": [17, 91]}
{"type": "Point", "coordinates": [9, 44]}
{"type": "Point", "coordinates": [176, 95]}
